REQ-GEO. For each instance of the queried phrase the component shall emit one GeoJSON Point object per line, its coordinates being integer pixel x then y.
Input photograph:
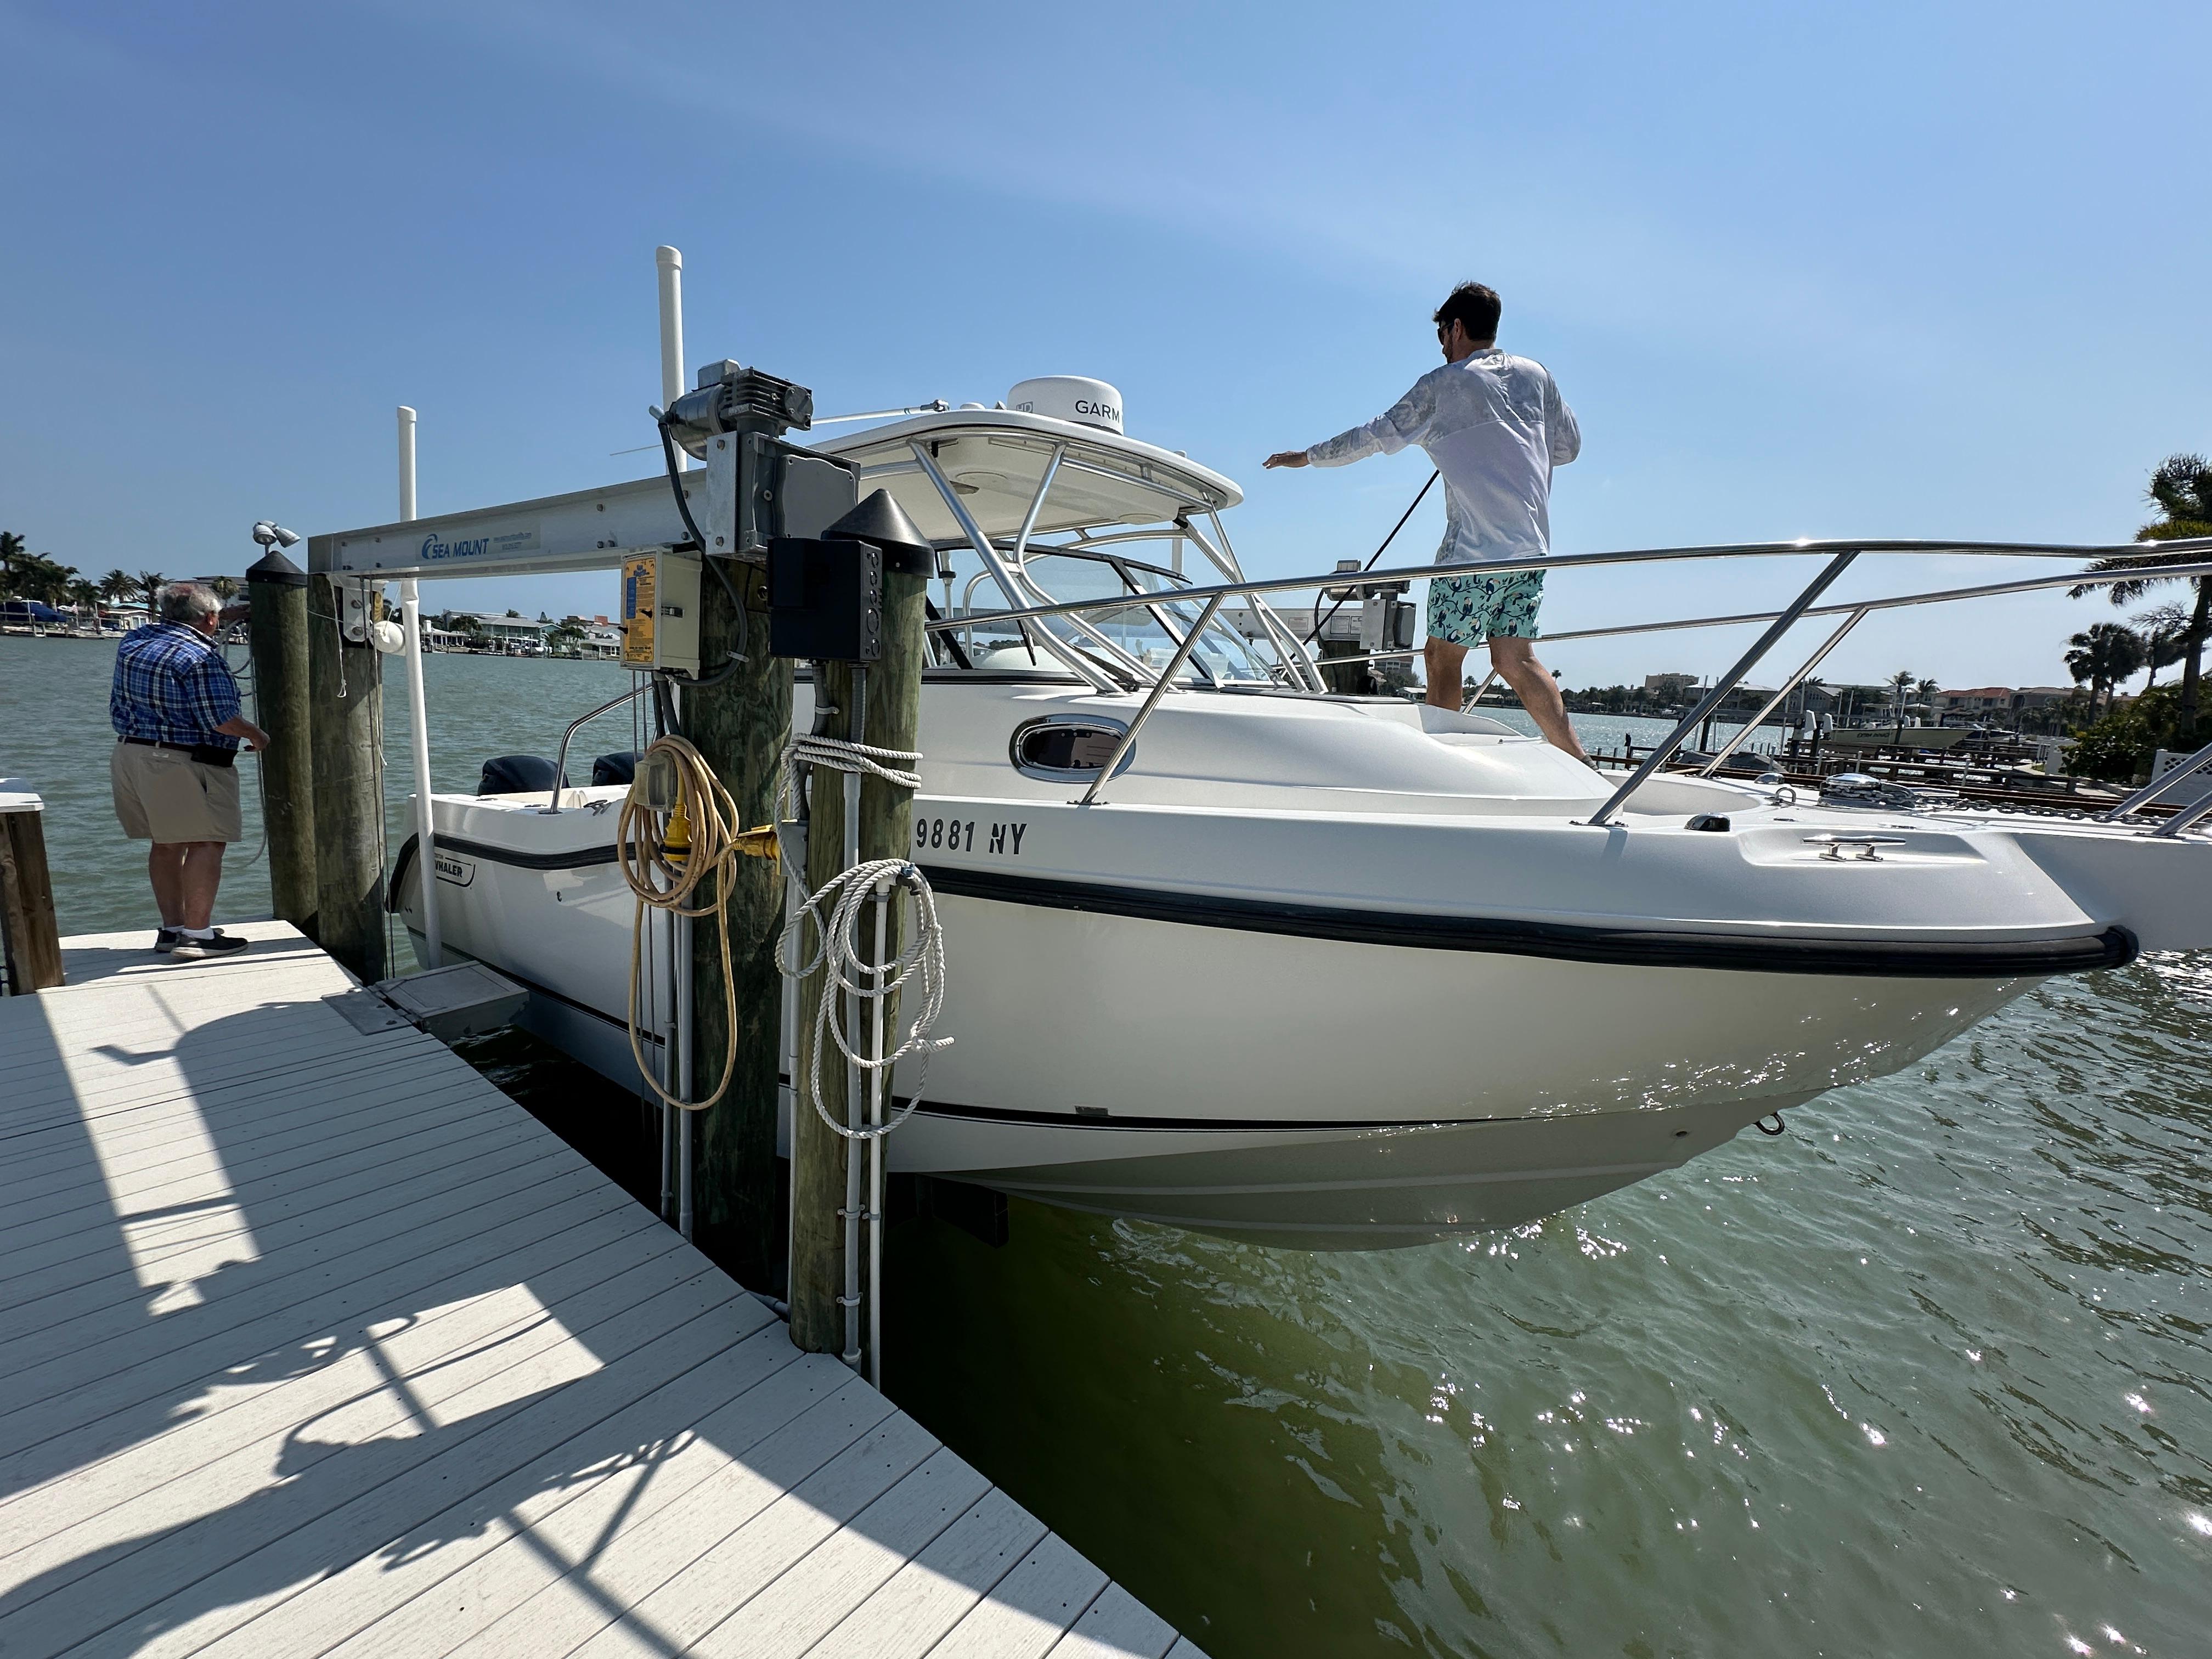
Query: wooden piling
{"type": "Point", "coordinates": [740, 727]}
{"type": "Point", "coordinates": [28, 935]}
{"type": "Point", "coordinates": [893, 720]}
{"type": "Point", "coordinates": [1349, 678]}
{"type": "Point", "coordinates": [345, 700]}
{"type": "Point", "coordinates": [278, 628]}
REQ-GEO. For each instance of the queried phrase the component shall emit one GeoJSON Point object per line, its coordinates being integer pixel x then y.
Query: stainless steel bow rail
{"type": "Point", "coordinates": [1837, 555]}
{"type": "Point", "coordinates": [2176, 822]}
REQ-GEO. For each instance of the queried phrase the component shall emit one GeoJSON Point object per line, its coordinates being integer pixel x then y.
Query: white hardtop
{"type": "Point", "coordinates": [995, 458]}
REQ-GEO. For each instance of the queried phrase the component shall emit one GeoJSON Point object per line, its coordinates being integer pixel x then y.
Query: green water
{"type": "Point", "coordinates": [1930, 1375]}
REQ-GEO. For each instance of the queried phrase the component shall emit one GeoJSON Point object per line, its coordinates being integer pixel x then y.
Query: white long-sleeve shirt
{"type": "Point", "coordinates": [1495, 426]}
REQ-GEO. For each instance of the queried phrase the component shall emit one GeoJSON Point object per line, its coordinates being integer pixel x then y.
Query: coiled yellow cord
{"type": "Point", "coordinates": [664, 874]}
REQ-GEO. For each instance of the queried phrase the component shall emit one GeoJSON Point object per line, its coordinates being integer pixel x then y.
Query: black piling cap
{"type": "Point", "coordinates": [881, 521]}
{"type": "Point", "coordinates": [274, 567]}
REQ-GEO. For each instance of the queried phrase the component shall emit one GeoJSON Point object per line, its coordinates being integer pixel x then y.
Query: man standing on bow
{"type": "Point", "coordinates": [1495, 426]}
{"type": "Point", "coordinates": [175, 709]}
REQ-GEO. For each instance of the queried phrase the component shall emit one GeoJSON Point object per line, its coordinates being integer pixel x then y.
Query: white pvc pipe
{"type": "Point", "coordinates": [406, 463]}
{"type": "Point", "coordinates": [683, 1041]}
{"type": "Point", "coordinates": [671, 262]}
{"type": "Point", "coordinates": [418, 719]}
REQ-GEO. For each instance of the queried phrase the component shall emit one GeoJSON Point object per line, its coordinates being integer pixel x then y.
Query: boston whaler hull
{"type": "Point", "coordinates": [1388, 991]}
{"type": "Point", "coordinates": [1230, 951]}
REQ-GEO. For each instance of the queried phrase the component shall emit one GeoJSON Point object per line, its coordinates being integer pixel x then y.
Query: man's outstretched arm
{"type": "Point", "coordinates": [1406, 423]}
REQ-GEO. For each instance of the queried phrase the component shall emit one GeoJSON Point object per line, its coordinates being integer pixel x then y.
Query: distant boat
{"type": "Point", "coordinates": [28, 613]}
{"type": "Point", "coordinates": [1891, 737]}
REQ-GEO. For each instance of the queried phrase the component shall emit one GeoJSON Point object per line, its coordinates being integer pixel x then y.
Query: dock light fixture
{"type": "Point", "coordinates": [275, 535]}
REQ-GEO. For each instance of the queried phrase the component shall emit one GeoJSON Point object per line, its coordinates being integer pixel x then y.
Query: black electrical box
{"type": "Point", "coordinates": [825, 600]}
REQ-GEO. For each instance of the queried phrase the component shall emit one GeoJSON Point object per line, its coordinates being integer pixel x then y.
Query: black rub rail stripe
{"type": "Point", "coordinates": [582, 859]}
{"type": "Point", "coordinates": [1554, 940]}
{"type": "Point", "coordinates": [1560, 941]}
{"type": "Point", "coordinates": [1101, 1120]}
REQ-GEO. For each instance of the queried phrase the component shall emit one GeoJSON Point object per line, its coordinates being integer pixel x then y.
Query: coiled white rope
{"type": "Point", "coordinates": [807, 749]}
{"type": "Point", "coordinates": [846, 974]}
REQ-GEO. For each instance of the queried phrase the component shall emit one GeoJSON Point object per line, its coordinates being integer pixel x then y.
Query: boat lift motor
{"type": "Point", "coordinates": [1386, 621]}
{"type": "Point", "coordinates": [1375, 619]}
{"type": "Point", "coordinates": [757, 486]}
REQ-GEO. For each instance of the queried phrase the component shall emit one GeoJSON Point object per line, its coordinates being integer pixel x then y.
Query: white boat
{"type": "Point", "coordinates": [1330, 970]}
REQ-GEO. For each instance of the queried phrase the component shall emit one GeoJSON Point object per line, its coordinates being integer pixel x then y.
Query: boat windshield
{"type": "Point", "coordinates": [1147, 632]}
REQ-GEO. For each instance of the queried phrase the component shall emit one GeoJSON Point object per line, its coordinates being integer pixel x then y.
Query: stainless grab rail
{"type": "Point", "coordinates": [1896, 602]}
{"type": "Point", "coordinates": [1669, 554]}
{"type": "Point", "coordinates": [2181, 820]}
{"type": "Point", "coordinates": [1725, 686]}
{"type": "Point", "coordinates": [2158, 785]}
{"type": "Point", "coordinates": [1070, 658]}
{"type": "Point", "coordinates": [1782, 694]}
{"type": "Point", "coordinates": [552, 807]}
{"type": "Point", "coordinates": [1159, 690]}
{"type": "Point", "coordinates": [1222, 558]}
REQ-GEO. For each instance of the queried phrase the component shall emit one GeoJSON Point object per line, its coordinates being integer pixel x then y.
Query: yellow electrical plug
{"type": "Point", "coordinates": [676, 842]}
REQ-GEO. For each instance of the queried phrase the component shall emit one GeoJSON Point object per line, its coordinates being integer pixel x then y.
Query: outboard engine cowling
{"type": "Point", "coordinates": [618, 768]}
{"type": "Point", "coordinates": [517, 774]}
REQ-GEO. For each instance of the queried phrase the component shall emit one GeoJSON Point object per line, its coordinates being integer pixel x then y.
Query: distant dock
{"type": "Point", "coordinates": [316, 1343]}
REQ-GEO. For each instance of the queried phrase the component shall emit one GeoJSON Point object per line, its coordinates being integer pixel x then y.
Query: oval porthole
{"type": "Point", "coordinates": [1062, 748]}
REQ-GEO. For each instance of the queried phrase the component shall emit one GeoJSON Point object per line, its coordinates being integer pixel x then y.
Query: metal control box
{"type": "Point", "coordinates": [759, 488]}
{"type": "Point", "coordinates": [1386, 621]}
{"type": "Point", "coordinates": [661, 611]}
{"type": "Point", "coordinates": [825, 600]}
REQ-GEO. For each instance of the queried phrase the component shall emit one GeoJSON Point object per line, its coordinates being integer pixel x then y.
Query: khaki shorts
{"type": "Point", "coordinates": [164, 795]}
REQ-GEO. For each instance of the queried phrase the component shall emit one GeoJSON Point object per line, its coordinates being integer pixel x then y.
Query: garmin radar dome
{"type": "Point", "coordinates": [1069, 397]}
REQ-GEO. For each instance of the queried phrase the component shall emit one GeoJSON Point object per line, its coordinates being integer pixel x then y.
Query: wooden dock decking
{"type": "Point", "coordinates": [313, 1342]}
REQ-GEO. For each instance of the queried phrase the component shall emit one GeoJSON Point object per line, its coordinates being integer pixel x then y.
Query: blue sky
{"type": "Point", "coordinates": [1901, 271]}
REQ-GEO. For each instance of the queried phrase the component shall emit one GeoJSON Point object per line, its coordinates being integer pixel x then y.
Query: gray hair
{"type": "Point", "coordinates": [187, 602]}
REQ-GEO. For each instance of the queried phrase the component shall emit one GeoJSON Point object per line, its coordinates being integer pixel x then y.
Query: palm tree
{"type": "Point", "coordinates": [2165, 631]}
{"type": "Point", "coordinates": [2181, 489]}
{"type": "Point", "coordinates": [150, 584]}
{"type": "Point", "coordinates": [223, 587]}
{"type": "Point", "coordinates": [119, 585]}
{"type": "Point", "coordinates": [84, 596]}
{"type": "Point", "coordinates": [38, 576]}
{"type": "Point", "coordinates": [2103, 656]}
{"type": "Point", "coordinates": [11, 549]}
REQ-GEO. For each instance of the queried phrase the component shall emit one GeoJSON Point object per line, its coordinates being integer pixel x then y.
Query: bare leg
{"type": "Point", "coordinates": [165, 868]}
{"type": "Point", "coordinates": [200, 874]}
{"type": "Point", "coordinates": [1441, 659]}
{"type": "Point", "coordinates": [1539, 692]}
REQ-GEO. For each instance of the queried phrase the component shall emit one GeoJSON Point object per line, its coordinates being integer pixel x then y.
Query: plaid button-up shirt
{"type": "Point", "coordinates": [171, 685]}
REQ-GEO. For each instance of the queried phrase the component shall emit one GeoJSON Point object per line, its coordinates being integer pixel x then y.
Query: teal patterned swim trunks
{"type": "Point", "coordinates": [1469, 609]}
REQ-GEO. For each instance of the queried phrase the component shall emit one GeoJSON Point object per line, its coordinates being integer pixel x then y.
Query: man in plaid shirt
{"type": "Point", "coordinates": [175, 709]}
